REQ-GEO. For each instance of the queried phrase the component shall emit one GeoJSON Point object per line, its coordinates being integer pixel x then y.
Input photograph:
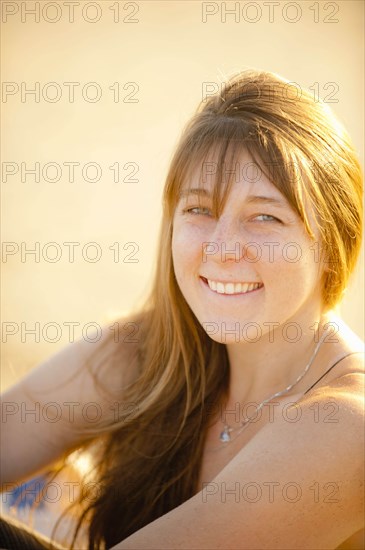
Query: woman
{"type": "Point", "coordinates": [231, 412]}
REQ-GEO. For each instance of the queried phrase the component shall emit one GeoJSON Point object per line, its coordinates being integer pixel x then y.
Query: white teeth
{"type": "Point", "coordinates": [212, 284]}
{"type": "Point", "coordinates": [229, 289]}
{"type": "Point", "coordinates": [232, 288]}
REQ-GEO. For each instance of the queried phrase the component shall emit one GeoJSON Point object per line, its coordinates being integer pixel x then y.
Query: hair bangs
{"type": "Point", "coordinates": [209, 160]}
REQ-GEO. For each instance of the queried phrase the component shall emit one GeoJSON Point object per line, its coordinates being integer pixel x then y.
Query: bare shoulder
{"type": "Point", "coordinates": [343, 350]}
{"type": "Point", "coordinates": [104, 358]}
{"type": "Point", "coordinates": [342, 337]}
{"type": "Point", "coordinates": [62, 402]}
{"type": "Point", "coordinates": [338, 399]}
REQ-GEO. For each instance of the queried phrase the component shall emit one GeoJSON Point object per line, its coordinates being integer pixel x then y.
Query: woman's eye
{"type": "Point", "coordinates": [191, 210]}
{"type": "Point", "coordinates": [196, 211]}
{"type": "Point", "coordinates": [267, 218]}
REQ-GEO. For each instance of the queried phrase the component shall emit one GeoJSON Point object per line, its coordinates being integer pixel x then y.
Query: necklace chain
{"type": "Point", "coordinates": [225, 436]}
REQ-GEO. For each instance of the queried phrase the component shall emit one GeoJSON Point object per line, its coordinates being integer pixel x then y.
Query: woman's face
{"type": "Point", "coordinates": [258, 241]}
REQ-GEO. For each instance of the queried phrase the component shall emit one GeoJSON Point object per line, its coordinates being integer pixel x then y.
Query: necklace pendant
{"type": "Point", "coordinates": [225, 435]}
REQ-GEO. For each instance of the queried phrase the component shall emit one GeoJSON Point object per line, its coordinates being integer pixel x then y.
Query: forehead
{"type": "Point", "coordinates": [242, 171]}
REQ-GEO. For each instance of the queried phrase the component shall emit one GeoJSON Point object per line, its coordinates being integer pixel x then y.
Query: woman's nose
{"type": "Point", "coordinates": [227, 242]}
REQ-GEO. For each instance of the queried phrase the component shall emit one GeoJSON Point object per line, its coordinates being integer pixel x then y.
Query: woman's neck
{"type": "Point", "coordinates": [261, 368]}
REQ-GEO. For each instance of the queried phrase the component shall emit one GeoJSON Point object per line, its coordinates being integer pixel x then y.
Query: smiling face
{"type": "Point", "coordinates": [254, 264]}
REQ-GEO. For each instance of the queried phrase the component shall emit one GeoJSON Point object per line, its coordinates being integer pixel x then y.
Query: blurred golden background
{"type": "Point", "coordinates": [113, 85]}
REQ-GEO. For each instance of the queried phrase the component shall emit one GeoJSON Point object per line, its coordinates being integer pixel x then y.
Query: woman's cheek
{"type": "Point", "coordinates": [190, 237]}
{"type": "Point", "coordinates": [182, 246]}
{"type": "Point", "coordinates": [181, 254]}
{"type": "Point", "coordinates": [265, 251]}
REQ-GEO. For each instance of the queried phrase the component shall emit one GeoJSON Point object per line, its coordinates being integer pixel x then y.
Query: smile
{"type": "Point", "coordinates": [231, 288]}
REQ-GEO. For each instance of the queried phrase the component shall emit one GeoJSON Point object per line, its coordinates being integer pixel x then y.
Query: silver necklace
{"type": "Point", "coordinates": [225, 435]}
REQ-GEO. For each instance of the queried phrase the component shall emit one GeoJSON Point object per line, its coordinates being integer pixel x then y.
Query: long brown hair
{"type": "Point", "coordinates": [149, 462]}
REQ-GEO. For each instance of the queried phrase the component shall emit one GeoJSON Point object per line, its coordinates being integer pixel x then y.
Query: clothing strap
{"type": "Point", "coordinates": [338, 361]}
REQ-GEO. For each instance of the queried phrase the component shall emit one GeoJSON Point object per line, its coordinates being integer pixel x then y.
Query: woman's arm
{"type": "Point", "coordinates": [47, 413]}
{"type": "Point", "coordinates": [294, 485]}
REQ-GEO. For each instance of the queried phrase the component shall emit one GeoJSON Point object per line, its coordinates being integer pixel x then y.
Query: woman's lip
{"type": "Point", "coordinates": [205, 283]}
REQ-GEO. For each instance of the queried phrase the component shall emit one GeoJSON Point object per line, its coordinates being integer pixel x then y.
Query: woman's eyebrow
{"type": "Point", "coordinates": [194, 191]}
{"type": "Point", "coordinates": [251, 199]}
{"type": "Point", "coordinates": [267, 200]}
